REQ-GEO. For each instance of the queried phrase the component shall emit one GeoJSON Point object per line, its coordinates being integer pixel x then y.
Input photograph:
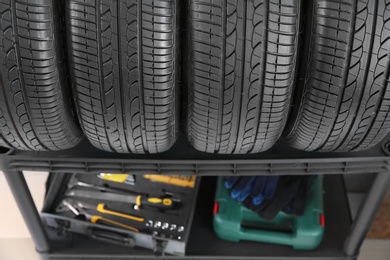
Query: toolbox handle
{"type": "Point", "coordinates": [268, 236]}
{"type": "Point", "coordinates": [111, 237]}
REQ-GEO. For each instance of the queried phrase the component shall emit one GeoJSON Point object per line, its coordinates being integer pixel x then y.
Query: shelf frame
{"type": "Point", "coordinates": [357, 234]}
{"type": "Point", "coordinates": [183, 159]}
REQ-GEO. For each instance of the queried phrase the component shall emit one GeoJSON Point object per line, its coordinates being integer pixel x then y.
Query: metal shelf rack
{"type": "Point", "coordinates": [183, 159]}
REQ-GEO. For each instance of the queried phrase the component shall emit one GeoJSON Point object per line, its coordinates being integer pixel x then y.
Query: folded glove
{"type": "Point", "coordinates": [290, 195]}
{"type": "Point", "coordinates": [298, 204]}
{"type": "Point", "coordinates": [252, 189]}
{"type": "Point", "coordinates": [240, 187]}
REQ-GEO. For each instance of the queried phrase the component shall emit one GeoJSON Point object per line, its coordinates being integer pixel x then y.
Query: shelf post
{"type": "Point", "coordinates": [366, 214]}
{"type": "Point", "coordinates": [26, 205]}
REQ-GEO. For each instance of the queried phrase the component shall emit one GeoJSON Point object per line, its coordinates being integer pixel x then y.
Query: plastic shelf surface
{"type": "Point", "coordinates": [183, 159]}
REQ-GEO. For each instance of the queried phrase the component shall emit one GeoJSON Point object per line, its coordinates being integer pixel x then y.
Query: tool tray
{"type": "Point", "coordinates": [151, 235]}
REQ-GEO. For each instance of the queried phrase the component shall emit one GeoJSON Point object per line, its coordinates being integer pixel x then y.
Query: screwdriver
{"type": "Point", "coordinates": [139, 200]}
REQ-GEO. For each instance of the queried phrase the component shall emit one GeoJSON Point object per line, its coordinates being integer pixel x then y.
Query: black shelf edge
{"type": "Point", "coordinates": [183, 159]}
{"type": "Point", "coordinates": [204, 244]}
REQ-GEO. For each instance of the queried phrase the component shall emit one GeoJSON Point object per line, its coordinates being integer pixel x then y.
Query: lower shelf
{"type": "Point", "coordinates": [204, 244]}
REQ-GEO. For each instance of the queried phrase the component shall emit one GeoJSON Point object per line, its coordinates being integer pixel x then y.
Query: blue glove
{"type": "Point", "coordinates": [291, 196]}
{"type": "Point", "coordinates": [241, 187]}
{"type": "Point", "coordinates": [252, 188]}
{"type": "Point", "coordinates": [264, 188]}
{"type": "Point", "coordinates": [230, 181]}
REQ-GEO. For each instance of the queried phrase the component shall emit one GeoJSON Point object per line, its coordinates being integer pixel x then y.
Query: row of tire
{"type": "Point", "coordinates": [315, 72]}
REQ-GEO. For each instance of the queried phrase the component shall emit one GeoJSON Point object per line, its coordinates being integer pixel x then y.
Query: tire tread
{"type": "Point", "coordinates": [33, 113]}
{"type": "Point", "coordinates": [243, 72]}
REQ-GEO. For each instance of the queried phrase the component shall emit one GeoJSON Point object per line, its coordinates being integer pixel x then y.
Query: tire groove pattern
{"type": "Point", "coordinates": [360, 107]}
{"type": "Point", "coordinates": [255, 107]}
{"type": "Point", "coordinates": [330, 140]}
{"type": "Point", "coordinates": [18, 64]}
{"type": "Point", "coordinates": [123, 132]}
{"type": "Point", "coordinates": [221, 101]}
{"type": "Point", "coordinates": [244, 81]}
{"type": "Point", "coordinates": [132, 109]}
{"type": "Point", "coordinates": [262, 126]}
{"type": "Point", "coordinates": [104, 69]}
{"type": "Point", "coordinates": [141, 75]}
{"type": "Point", "coordinates": [33, 109]}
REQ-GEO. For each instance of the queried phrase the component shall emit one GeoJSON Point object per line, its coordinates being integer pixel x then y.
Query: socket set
{"type": "Point", "coordinates": [165, 229]}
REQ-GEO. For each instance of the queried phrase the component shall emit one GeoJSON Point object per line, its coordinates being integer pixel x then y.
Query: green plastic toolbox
{"type": "Point", "coordinates": [233, 222]}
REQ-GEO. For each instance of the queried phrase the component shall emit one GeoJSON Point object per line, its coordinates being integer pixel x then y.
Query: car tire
{"type": "Point", "coordinates": [243, 56]}
{"type": "Point", "coordinates": [35, 105]}
{"type": "Point", "coordinates": [345, 104]}
{"type": "Point", "coordinates": [124, 58]}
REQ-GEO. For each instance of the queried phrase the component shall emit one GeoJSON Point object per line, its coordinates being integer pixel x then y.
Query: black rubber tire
{"type": "Point", "coordinates": [35, 110]}
{"type": "Point", "coordinates": [346, 95]}
{"type": "Point", "coordinates": [124, 58]}
{"type": "Point", "coordinates": [242, 73]}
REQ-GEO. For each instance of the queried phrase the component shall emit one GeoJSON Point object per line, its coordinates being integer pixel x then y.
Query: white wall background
{"type": "Point", "coordinates": [15, 240]}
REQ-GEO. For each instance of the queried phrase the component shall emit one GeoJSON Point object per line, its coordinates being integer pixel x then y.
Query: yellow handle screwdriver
{"type": "Point", "coordinates": [96, 219]}
{"type": "Point", "coordinates": [139, 200]}
{"type": "Point", "coordinates": [101, 208]}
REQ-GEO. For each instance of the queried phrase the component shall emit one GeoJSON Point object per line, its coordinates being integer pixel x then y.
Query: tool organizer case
{"type": "Point", "coordinates": [161, 240]}
{"type": "Point", "coordinates": [233, 222]}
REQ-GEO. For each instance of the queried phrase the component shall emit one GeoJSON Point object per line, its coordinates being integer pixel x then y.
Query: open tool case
{"type": "Point", "coordinates": [164, 229]}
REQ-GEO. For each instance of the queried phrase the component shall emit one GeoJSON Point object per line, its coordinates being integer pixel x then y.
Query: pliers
{"type": "Point", "coordinates": [79, 208]}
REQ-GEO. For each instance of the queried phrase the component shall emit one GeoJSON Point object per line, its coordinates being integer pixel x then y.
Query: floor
{"type": "Point", "coordinates": [16, 244]}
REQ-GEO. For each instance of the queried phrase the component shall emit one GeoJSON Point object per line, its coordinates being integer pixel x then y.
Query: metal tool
{"type": "Point", "coordinates": [172, 195]}
{"type": "Point", "coordinates": [78, 209]}
{"type": "Point", "coordinates": [101, 207]}
{"type": "Point", "coordinates": [172, 227]}
{"type": "Point", "coordinates": [74, 182]}
{"type": "Point", "coordinates": [139, 200]}
{"type": "Point", "coordinates": [165, 226]}
{"type": "Point", "coordinates": [177, 180]}
{"type": "Point", "coordinates": [118, 177]}
{"type": "Point", "coordinates": [157, 224]}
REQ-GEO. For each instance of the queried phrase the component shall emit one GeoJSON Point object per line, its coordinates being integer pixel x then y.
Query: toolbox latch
{"type": "Point", "coordinates": [60, 225]}
{"type": "Point", "coordinates": [159, 247]}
